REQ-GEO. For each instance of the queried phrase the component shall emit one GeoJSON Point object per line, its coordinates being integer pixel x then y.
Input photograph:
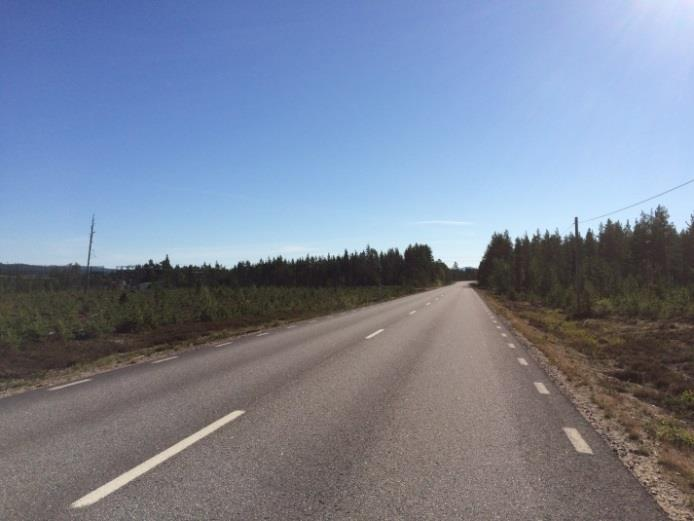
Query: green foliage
{"type": "Point", "coordinates": [645, 271]}
{"type": "Point", "coordinates": [29, 318]}
{"type": "Point", "coordinates": [416, 267]}
{"type": "Point", "coordinates": [419, 267]}
{"type": "Point", "coordinates": [675, 434]}
{"type": "Point", "coordinates": [684, 402]}
{"type": "Point", "coordinates": [500, 276]}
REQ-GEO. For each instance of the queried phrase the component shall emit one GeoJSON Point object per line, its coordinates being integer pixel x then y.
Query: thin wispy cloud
{"type": "Point", "coordinates": [439, 222]}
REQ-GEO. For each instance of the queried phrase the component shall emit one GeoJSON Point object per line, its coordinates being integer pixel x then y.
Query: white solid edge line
{"type": "Point", "coordinates": [263, 333]}
{"type": "Point", "coordinates": [541, 388]}
{"type": "Point", "coordinates": [522, 361]}
{"type": "Point", "coordinates": [577, 440]}
{"type": "Point", "coordinates": [165, 359]}
{"type": "Point", "coordinates": [152, 462]}
{"type": "Point", "coordinates": [291, 326]}
{"type": "Point", "coordinates": [369, 337]}
{"type": "Point", "coordinates": [413, 312]}
{"type": "Point", "coordinates": [225, 344]}
{"type": "Point", "coordinates": [59, 387]}
{"type": "Point", "coordinates": [511, 345]}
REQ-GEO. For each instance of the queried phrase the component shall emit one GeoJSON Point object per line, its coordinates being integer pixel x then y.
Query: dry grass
{"type": "Point", "coordinates": [680, 466]}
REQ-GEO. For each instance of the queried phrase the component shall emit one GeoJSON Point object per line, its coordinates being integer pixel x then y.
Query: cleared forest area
{"type": "Point", "coordinates": [50, 321]}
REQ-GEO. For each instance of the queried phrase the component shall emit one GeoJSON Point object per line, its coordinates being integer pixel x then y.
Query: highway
{"type": "Point", "coordinates": [424, 407]}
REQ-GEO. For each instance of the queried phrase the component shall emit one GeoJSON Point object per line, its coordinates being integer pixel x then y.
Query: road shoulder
{"type": "Point", "coordinates": [615, 416]}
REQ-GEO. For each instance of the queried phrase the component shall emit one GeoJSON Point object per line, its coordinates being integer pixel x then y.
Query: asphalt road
{"type": "Point", "coordinates": [416, 408]}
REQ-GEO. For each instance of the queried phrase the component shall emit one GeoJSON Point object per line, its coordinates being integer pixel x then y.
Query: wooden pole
{"type": "Point", "coordinates": [89, 253]}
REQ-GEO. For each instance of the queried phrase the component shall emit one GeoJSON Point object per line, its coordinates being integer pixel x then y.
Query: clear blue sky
{"type": "Point", "coordinates": [221, 131]}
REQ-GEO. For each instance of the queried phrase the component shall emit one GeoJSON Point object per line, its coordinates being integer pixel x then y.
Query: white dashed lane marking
{"type": "Point", "coordinates": [59, 387]}
{"type": "Point", "coordinates": [263, 333]}
{"type": "Point", "coordinates": [148, 465]}
{"type": "Point", "coordinates": [577, 441]}
{"type": "Point", "coordinates": [413, 312]}
{"type": "Point", "coordinates": [369, 337]}
{"type": "Point", "coordinates": [511, 345]}
{"type": "Point", "coordinates": [224, 344]}
{"type": "Point", "coordinates": [522, 361]}
{"type": "Point", "coordinates": [165, 359]}
{"type": "Point", "coordinates": [541, 388]}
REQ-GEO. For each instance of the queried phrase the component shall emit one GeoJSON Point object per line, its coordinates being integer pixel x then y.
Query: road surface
{"type": "Point", "coordinates": [420, 408]}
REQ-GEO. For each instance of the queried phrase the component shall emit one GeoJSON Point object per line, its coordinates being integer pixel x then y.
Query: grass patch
{"type": "Point", "coordinates": [675, 434]}
{"type": "Point", "coordinates": [48, 330]}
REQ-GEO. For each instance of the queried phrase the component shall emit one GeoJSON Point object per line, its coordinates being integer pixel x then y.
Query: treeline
{"type": "Point", "coordinates": [642, 270]}
{"type": "Point", "coordinates": [414, 267]}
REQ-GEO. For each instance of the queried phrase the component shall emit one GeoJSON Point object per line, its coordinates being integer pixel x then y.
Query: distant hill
{"type": "Point", "coordinates": [38, 270]}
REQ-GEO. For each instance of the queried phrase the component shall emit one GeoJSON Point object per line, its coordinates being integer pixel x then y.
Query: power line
{"type": "Point", "coordinates": [570, 226]}
{"type": "Point", "coordinates": [638, 203]}
{"type": "Point", "coordinates": [567, 229]}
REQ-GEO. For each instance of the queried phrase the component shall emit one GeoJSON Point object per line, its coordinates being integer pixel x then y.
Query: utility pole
{"type": "Point", "coordinates": [577, 265]}
{"type": "Point", "coordinates": [89, 253]}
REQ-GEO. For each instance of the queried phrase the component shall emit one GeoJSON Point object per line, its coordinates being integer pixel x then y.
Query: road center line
{"type": "Point", "coordinates": [369, 337]}
{"type": "Point", "coordinates": [224, 344]}
{"type": "Point", "coordinates": [59, 387]}
{"type": "Point", "coordinates": [165, 359]}
{"type": "Point", "coordinates": [148, 465]}
{"type": "Point", "coordinates": [413, 312]}
{"type": "Point", "coordinates": [577, 441]}
{"type": "Point", "coordinates": [541, 388]}
{"type": "Point", "coordinates": [522, 361]}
